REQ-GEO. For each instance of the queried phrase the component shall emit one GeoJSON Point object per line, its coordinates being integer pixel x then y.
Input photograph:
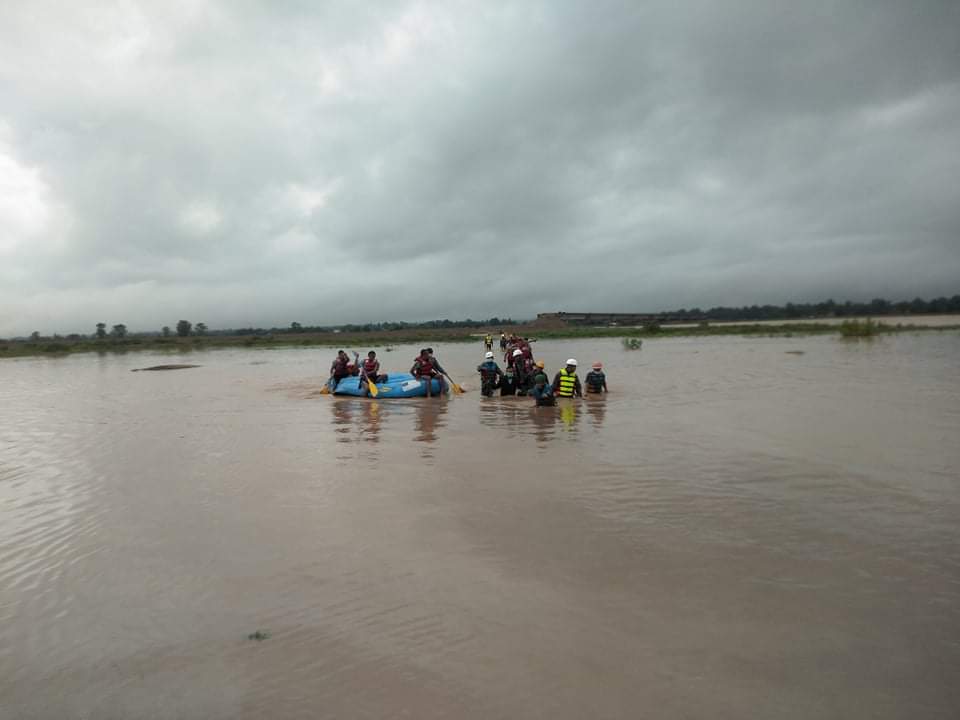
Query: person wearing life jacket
{"type": "Point", "coordinates": [424, 370]}
{"type": "Point", "coordinates": [439, 368]}
{"type": "Point", "coordinates": [503, 340]}
{"type": "Point", "coordinates": [338, 368]}
{"type": "Point", "coordinates": [596, 380]}
{"type": "Point", "coordinates": [488, 342]}
{"type": "Point", "coordinates": [566, 383]}
{"type": "Point", "coordinates": [370, 370]}
{"type": "Point", "coordinates": [436, 363]}
{"type": "Point", "coordinates": [490, 374]}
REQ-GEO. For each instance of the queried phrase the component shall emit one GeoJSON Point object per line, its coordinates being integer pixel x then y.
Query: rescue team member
{"type": "Point", "coordinates": [596, 380]}
{"type": "Point", "coordinates": [490, 374]}
{"type": "Point", "coordinates": [503, 340]}
{"type": "Point", "coordinates": [508, 383]}
{"type": "Point", "coordinates": [370, 370]}
{"type": "Point", "coordinates": [566, 383]}
{"type": "Point", "coordinates": [338, 369]}
{"type": "Point", "coordinates": [425, 369]}
{"type": "Point", "coordinates": [517, 365]}
{"type": "Point", "coordinates": [540, 372]}
{"type": "Point", "coordinates": [488, 342]}
{"type": "Point", "coordinates": [541, 391]}
{"type": "Point", "coordinates": [436, 363]}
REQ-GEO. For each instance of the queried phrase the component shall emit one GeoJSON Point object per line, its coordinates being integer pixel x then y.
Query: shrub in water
{"type": "Point", "coordinates": [858, 328]}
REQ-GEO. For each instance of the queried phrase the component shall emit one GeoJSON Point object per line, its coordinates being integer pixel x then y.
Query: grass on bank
{"type": "Point", "coordinates": [380, 338]}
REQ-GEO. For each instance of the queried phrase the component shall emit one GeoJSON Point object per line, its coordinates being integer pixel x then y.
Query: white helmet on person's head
{"type": "Point", "coordinates": [517, 352]}
{"type": "Point", "coordinates": [489, 355]}
{"type": "Point", "coordinates": [572, 361]}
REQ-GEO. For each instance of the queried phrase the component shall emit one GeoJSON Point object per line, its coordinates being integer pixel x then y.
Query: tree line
{"type": "Point", "coordinates": [827, 308]}
{"type": "Point", "coordinates": [791, 311]}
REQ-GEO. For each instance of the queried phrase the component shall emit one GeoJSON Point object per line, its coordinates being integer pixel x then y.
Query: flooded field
{"type": "Point", "coordinates": [743, 528]}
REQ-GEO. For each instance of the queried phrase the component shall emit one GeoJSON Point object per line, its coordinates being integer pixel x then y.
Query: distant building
{"type": "Point", "coordinates": [593, 318]}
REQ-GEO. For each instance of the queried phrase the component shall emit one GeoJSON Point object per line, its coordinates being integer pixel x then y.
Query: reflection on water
{"type": "Point", "coordinates": [702, 542]}
{"type": "Point", "coordinates": [596, 406]}
{"type": "Point", "coordinates": [370, 431]}
{"type": "Point", "coordinates": [429, 420]}
{"type": "Point", "coordinates": [343, 419]}
{"type": "Point", "coordinates": [543, 423]}
{"type": "Point", "coordinates": [568, 413]}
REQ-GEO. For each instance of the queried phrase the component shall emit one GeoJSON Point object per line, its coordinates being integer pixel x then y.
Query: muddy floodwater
{"type": "Point", "coordinates": [743, 528]}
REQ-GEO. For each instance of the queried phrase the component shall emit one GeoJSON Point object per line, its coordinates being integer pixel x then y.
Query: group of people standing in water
{"type": "Point", "coordinates": [522, 375]}
{"type": "Point", "coordinates": [525, 376]}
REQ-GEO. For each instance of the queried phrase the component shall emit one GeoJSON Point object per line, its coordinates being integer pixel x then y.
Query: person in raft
{"type": "Point", "coordinates": [566, 383]}
{"type": "Point", "coordinates": [596, 380]}
{"type": "Point", "coordinates": [370, 370]}
{"type": "Point", "coordinates": [439, 367]}
{"type": "Point", "coordinates": [338, 369]}
{"type": "Point", "coordinates": [425, 369]}
{"type": "Point", "coordinates": [490, 374]}
{"type": "Point", "coordinates": [436, 363]}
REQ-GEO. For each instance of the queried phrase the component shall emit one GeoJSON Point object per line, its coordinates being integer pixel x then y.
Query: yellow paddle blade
{"type": "Point", "coordinates": [325, 390]}
{"type": "Point", "coordinates": [456, 388]}
{"type": "Point", "coordinates": [372, 387]}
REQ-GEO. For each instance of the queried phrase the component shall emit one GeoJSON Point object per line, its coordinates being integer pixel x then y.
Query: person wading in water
{"type": "Point", "coordinates": [566, 383]}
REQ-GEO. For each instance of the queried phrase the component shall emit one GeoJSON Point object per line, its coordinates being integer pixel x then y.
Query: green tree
{"type": "Point", "coordinates": [201, 329]}
{"type": "Point", "coordinates": [296, 327]}
{"type": "Point", "coordinates": [165, 331]}
{"type": "Point", "coordinates": [184, 327]}
{"type": "Point", "coordinates": [35, 335]}
{"type": "Point", "coordinates": [119, 331]}
{"type": "Point", "coordinates": [101, 330]}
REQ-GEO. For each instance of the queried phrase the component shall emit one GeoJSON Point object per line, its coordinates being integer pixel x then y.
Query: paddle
{"type": "Point", "coordinates": [456, 388]}
{"type": "Point", "coordinates": [325, 390]}
{"type": "Point", "coordinates": [371, 386]}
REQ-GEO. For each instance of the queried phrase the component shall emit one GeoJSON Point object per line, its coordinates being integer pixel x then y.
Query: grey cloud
{"type": "Point", "coordinates": [259, 163]}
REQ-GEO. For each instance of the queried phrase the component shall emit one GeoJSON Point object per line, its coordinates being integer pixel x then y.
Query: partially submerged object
{"type": "Point", "coordinates": [396, 385]}
{"type": "Point", "coordinates": [165, 367]}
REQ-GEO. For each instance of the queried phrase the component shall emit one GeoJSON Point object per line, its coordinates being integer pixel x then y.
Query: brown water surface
{"type": "Point", "coordinates": [742, 528]}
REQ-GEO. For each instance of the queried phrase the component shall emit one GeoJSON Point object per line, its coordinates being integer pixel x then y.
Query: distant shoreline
{"type": "Point", "coordinates": [379, 338]}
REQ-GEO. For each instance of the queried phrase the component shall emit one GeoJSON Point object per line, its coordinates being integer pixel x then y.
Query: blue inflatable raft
{"type": "Point", "coordinates": [397, 385]}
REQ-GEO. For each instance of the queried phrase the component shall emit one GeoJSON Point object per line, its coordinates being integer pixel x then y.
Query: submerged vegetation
{"type": "Point", "coordinates": [632, 343]}
{"type": "Point", "coordinates": [862, 328]}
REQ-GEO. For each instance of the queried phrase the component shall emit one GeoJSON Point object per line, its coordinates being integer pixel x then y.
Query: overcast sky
{"type": "Point", "coordinates": [256, 163]}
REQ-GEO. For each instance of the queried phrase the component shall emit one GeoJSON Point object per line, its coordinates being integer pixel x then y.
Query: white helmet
{"type": "Point", "coordinates": [517, 352]}
{"type": "Point", "coordinates": [489, 356]}
{"type": "Point", "coordinates": [571, 361]}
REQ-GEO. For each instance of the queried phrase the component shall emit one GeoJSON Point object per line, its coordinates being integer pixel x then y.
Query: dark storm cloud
{"type": "Point", "coordinates": [260, 163]}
